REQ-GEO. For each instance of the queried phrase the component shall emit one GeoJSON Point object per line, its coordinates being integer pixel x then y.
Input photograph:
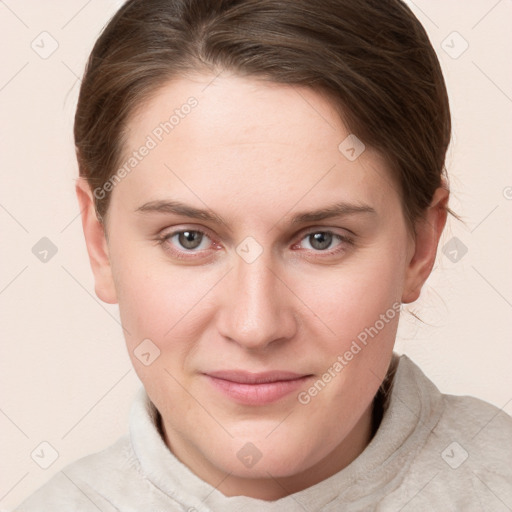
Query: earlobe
{"type": "Point", "coordinates": [428, 232]}
{"type": "Point", "coordinates": [96, 242]}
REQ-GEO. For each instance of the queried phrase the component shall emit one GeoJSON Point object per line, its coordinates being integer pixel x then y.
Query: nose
{"type": "Point", "coordinates": [258, 307]}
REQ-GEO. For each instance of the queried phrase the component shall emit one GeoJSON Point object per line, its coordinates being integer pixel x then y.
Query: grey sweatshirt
{"type": "Point", "coordinates": [431, 452]}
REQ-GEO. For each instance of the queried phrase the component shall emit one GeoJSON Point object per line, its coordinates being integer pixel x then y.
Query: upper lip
{"type": "Point", "coordinates": [244, 377]}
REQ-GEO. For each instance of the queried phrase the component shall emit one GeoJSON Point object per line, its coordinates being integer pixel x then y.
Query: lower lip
{"type": "Point", "coordinates": [257, 394]}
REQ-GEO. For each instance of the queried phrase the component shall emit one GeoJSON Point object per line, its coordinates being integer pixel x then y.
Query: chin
{"type": "Point", "coordinates": [266, 467]}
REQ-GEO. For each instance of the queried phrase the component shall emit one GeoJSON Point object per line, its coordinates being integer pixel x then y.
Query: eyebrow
{"type": "Point", "coordinates": [178, 208]}
{"type": "Point", "coordinates": [340, 209]}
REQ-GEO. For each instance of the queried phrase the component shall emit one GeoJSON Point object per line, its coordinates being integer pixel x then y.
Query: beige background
{"type": "Point", "coordinates": [66, 379]}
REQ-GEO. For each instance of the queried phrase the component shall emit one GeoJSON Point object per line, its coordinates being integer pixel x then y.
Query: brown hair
{"type": "Point", "coordinates": [371, 57]}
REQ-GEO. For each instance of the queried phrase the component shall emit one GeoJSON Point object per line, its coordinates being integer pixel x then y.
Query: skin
{"type": "Point", "coordinates": [256, 154]}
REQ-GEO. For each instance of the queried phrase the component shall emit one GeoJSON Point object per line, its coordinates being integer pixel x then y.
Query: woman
{"type": "Point", "coordinates": [262, 187]}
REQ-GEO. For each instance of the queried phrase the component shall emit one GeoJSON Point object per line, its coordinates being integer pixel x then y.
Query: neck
{"type": "Point", "coordinates": [271, 489]}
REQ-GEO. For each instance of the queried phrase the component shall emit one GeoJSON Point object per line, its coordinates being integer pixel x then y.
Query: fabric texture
{"type": "Point", "coordinates": [431, 452]}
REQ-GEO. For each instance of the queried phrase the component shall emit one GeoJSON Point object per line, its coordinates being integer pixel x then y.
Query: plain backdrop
{"type": "Point", "coordinates": [67, 381]}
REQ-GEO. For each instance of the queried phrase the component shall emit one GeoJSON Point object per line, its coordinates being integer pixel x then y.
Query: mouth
{"type": "Point", "coordinates": [256, 388]}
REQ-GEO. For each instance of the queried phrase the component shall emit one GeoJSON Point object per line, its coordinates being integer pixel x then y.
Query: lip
{"type": "Point", "coordinates": [256, 388]}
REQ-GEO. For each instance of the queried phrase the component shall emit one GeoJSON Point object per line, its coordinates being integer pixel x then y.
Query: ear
{"type": "Point", "coordinates": [424, 246]}
{"type": "Point", "coordinates": [96, 242]}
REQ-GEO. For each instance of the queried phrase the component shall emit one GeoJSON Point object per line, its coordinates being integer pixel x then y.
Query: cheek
{"type": "Point", "coordinates": [163, 306]}
{"type": "Point", "coordinates": [352, 297]}
{"type": "Point", "coordinates": [360, 304]}
{"type": "Point", "coordinates": [162, 302]}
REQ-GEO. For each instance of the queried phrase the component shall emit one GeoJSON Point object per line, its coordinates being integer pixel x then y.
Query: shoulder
{"type": "Point", "coordinates": [478, 431]}
{"type": "Point", "coordinates": [468, 457]}
{"type": "Point", "coordinates": [113, 479]}
{"type": "Point", "coordinates": [88, 484]}
{"type": "Point", "coordinates": [469, 419]}
{"type": "Point", "coordinates": [480, 421]}
{"type": "Point", "coordinates": [479, 434]}
{"type": "Point", "coordinates": [465, 461]}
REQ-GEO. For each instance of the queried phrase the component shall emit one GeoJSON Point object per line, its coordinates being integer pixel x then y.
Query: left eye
{"type": "Point", "coordinates": [321, 240]}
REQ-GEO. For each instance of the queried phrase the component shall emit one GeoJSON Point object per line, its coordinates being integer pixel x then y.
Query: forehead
{"type": "Point", "coordinates": [231, 102]}
{"type": "Point", "coordinates": [243, 140]}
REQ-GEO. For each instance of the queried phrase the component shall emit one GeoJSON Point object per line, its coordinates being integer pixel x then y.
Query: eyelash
{"type": "Point", "coordinates": [189, 254]}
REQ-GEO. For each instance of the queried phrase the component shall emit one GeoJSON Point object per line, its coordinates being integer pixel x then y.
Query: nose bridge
{"type": "Point", "coordinates": [256, 309]}
{"type": "Point", "coordinates": [255, 284]}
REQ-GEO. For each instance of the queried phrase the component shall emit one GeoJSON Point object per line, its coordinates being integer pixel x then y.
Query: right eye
{"type": "Point", "coordinates": [187, 243]}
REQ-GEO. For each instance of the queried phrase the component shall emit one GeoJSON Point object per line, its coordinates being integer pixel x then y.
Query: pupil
{"type": "Point", "coordinates": [190, 239]}
{"type": "Point", "coordinates": [321, 240]}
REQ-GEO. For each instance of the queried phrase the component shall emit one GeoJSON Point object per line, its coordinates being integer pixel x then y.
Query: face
{"type": "Point", "coordinates": [265, 271]}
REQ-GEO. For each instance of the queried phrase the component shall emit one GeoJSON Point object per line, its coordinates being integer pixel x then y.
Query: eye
{"type": "Point", "coordinates": [320, 241]}
{"type": "Point", "coordinates": [186, 243]}
{"type": "Point", "coordinates": [324, 241]}
{"type": "Point", "coordinates": [190, 239]}
{"type": "Point", "coordinates": [195, 243]}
